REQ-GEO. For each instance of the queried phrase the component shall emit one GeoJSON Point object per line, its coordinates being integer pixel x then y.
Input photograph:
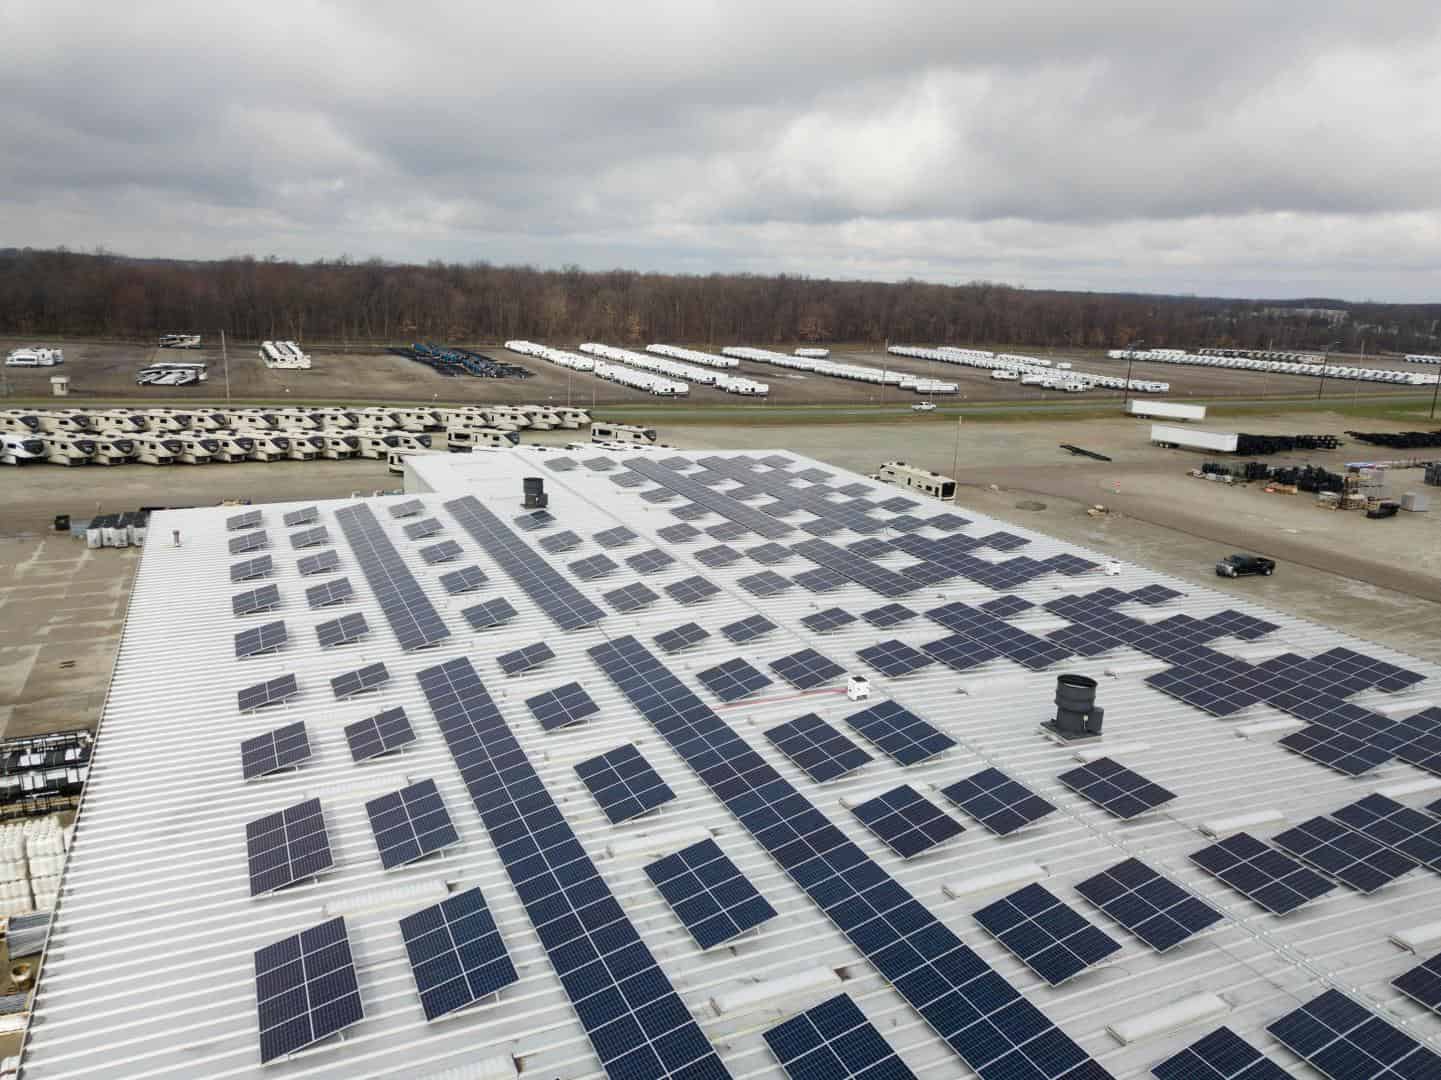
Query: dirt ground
{"type": "Point", "coordinates": [106, 370]}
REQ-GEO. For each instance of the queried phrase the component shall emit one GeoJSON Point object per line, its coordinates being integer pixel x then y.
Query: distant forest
{"type": "Point", "coordinates": [68, 293]}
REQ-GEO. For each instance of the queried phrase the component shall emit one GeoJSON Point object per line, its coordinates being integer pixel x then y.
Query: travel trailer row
{"type": "Point", "coordinates": [616, 373]}
{"type": "Point", "coordinates": [694, 356]}
{"type": "Point", "coordinates": [35, 356]}
{"type": "Point", "coordinates": [1422, 358]}
{"type": "Point", "coordinates": [284, 354]}
{"type": "Point", "coordinates": [855, 372]}
{"type": "Point", "coordinates": [1280, 367]}
{"type": "Point", "coordinates": [814, 354]}
{"type": "Point", "coordinates": [1029, 370]}
{"type": "Point", "coordinates": [705, 376]}
{"type": "Point", "coordinates": [1254, 354]}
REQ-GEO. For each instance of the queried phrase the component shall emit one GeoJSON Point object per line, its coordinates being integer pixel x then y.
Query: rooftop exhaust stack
{"type": "Point", "coordinates": [535, 496]}
{"type": "Point", "coordinates": [1077, 715]}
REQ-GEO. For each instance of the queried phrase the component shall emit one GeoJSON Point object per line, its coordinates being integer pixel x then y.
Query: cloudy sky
{"type": "Point", "coordinates": [1284, 148]}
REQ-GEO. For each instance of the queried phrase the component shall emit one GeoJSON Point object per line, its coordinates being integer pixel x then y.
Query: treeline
{"type": "Point", "coordinates": [68, 293]}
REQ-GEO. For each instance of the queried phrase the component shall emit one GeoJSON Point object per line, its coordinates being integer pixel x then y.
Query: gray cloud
{"type": "Point", "coordinates": [1280, 149]}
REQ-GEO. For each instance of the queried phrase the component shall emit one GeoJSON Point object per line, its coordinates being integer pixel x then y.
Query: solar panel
{"type": "Point", "coordinates": [250, 569]}
{"type": "Point", "coordinates": [319, 563]}
{"type": "Point", "coordinates": [304, 516]}
{"type": "Point", "coordinates": [906, 822]}
{"type": "Point", "coordinates": [947, 522]}
{"type": "Point", "coordinates": [379, 734]}
{"type": "Point", "coordinates": [561, 707]}
{"type": "Point", "coordinates": [1154, 594]}
{"type": "Point", "coordinates": [426, 527]}
{"type": "Point", "coordinates": [900, 733]}
{"type": "Point", "coordinates": [691, 590]}
{"type": "Point", "coordinates": [596, 566]}
{"type": "Point", "coordinates": [631, 597]}
{"type": "Point", "coordinates": [249, 542]}
{"type": "Point", "coordinates": [598, 464]}
{"type": "Point", "coordinates": [1275, 881]}
{"type": "Point", "coordinates": [466, 579]}
{"type": "Point", "coordinates": [248, 520]}
{"type": "Point", "coordinates": [359, 681]}
{"type": "Point", "coordinates": [718, 556]}
{"type": "Point", "coordinates": [261, 599]}
{"type": "Point", "coordinates": [766, 583]}
{"type": "Point", "coordinates": [617, 537]}
{"type": "Point", "coordinates": [287, 847]}
{"type": "Point", "coordinates": [409, 824]}
{"type": "Point", "coordinates": [1221, 1055]}
{"type": "Point", "coordinates": [1119, 791]}
{"type": "Point", "coordinates": [271, 692]}
{"type": "Point", "coordinates": [308, 538]}
{"type": "Point", "coordinates": [984, 628]}
{"type": "Point", "coordinates": [898, 503]}
{"type": "Point", "coordinates": [747, 629]}
{"type": "Point", "coordinates": [769, 554]}
{"type": "Point", "coordinates": [329, 592]}
{"type": "Point", "coordinates": [958, 652]}
{"type": "Point", "coordinates": [734, 530]}
{"type": "Point", "coordinates": [816, 748]}
{"type": "Point", "coordinates": [561, 464]}
{"type": "Point", "coordinates": [894, 658]}
{"type": "Point", "coordinates": [1422, 983]}
{"type": "Point", "coordinates": [489, 613]}
{"type": "Point", "coordinates": [681, 637]}
{"type": "Point", "coordinates": [1344, 1040]}
{"type": "Point", "coordinates": [1006, 606]}
{"type": "Point", "coordinates": [556, 543]}
{"type": "Point", "coordinates": [819, 580]}
{"type": "Point", "coordinates": [733, 680]}
{"type": "Point", "coordinates": [709, 894]}
{"type": "Point", "coordinates": [995, 800]}
{"type": "Point", "coordinates": [691, 511]}
{"type": "Point", "coordinates": [824, 622]}
{"type": "Point", "coordinates": [872, 547]}
{"type": "Point", "coordinates": [1399, 827]}
{"type": "Point", "coordinates": [275, 750]}
{"type": "Point", "coordinates": [342, 631]}
{"type": "Point", "coordinates": [807, 669]}
{"type": "Point", "coordinates": [305, 989]}
{"type": "Point", "coordinates": [456, 954]}
{"type": "Point", "coordinates": [1337, 748]}
{"type": "Point", "coordinates": [519, 661]}
{"type": "Point", "coordinates": [1155, 909]}
{"type": "Point", "coordinates": [414, 621]}
{"type": "Point", "coordinates": [888, 615]}
{"type": "Point", "coordinates": [537, 519]}
{"type": "Point", "coordinates": [860, 569]}
{"type": "Point", "coordinates": [648, 562]}
{"type": "Point", "coordinates": [678, 533]}
{"type": "Point", "coordinates": [1045, 934]}
{"type": "Point", "coordinates": [409, 508]}
{"type": "Point", "coordinates": [443, 552]}
{"type": "Point", "coordinates": [996, 1032]}
{"type": "Point", "coordinates": [834, 1041]}
{"type": "Point", "coordinates": [260, 639]}
{"type": "Point", "coordinates": [628, 480]}
{"type": "Point", "coordinates": [623, 783]}
{"type": "Point", "coordinates": [1346, 855]}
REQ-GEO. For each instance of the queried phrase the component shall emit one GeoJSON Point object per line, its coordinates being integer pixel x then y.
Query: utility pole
{"type": "Point", "coordinates": [1130, 359]}
{"type": "Point", "coordinates": [225, 359]}
{"type": "Point", "coordinates": [1434, 392]}
{"type": "Point", "coordinates": [1325, 363]}
{"type": "Point", "coordinates": [956, 459]}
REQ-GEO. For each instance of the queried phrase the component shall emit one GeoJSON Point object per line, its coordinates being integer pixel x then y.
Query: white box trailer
{"type": "Point", "coordinates": [1221, 442]}
{"type": "Point", "coordinates": [1167, 410]}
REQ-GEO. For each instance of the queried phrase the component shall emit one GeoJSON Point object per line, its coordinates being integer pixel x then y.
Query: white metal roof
{"type": "Point", "coordinates": [149, 968]}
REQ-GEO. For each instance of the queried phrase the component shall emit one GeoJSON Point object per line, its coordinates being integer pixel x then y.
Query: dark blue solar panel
{"type": "Point", "coordinates": [414, 620]}
{"type": "Point", "coordinates": [733, 680]}
{"type": "Point", "coordinates": [456, 954]}
{"type": "Point", "coordinates": [807, 669]}
{"type": "Point", "coordinates": [708, 894]}
{"type": "Point", "coordinates": [561, 707]}
{"type": "Point", "coordinates": [747, 629]}
{"type": "Point", "coordinates": [623, 783]}
{"type": "Point", "coordinates": [305, 989]}
{"type": "Point", "coordinates": [1119, 791]}
{"type": "Point", "coordinates": [900, 733]}
{"type": "Point", "coordinates": [1345, 854]}
{"type": "Point", "coordinates": [818, 749]}
{"type": "Point", "coordinates": [1275, 881]}
{"type": "Point", "coordinates": [894, 658]}
{"type": "Point", "coordinates": [410, 823]}
{"type": "Point", "coordinates": [1221, 1055]}
{"type": "Point", "coordinates": [824, 622]}
{"type": "Point", "coordinates": [1046, 935]}
{"type": "Point", "coordinates": [681, 637]}
{"type": "Point", "coordinates": [834, 1041]}
{"type": "Point", "coordinates": [1347, 1041]}
{"type": "Point", "coordinates": [997, 802]}
{"type": "Point", "coordinates": [1423, 983]}
{"type": "Point", "coordinates": [906, 822]}
{"type": "Point", "coordinates": [1154, 908]}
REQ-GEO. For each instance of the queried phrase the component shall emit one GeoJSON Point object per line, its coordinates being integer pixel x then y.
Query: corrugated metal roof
{"type": "Point", "coordinates": [149, 968]}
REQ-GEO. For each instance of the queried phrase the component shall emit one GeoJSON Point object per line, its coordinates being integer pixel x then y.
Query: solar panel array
{"type": "Point", "coordinates": [747, 629]}
{"type": "Point", "coordinates": [423, 529]}
{"type": "Point", "coordinates": [1221, 1055]}
{"type": "Point", "coordinates": [255, 541]}
{"type": "Point", "coordinates": [905, 821]}
{"type": "Point", "coordinates": [566, 606]}
{"type": "Point", "coordinates": [718, 556]}
{"type": "Point", "coordinates": [632, 597]}
{"type": "Point", "coordinates": [1045, 934]}
{"type": "Point", "coordinates": [1399, 827]}
{"type": "Point", "coordinates": [283, 748]}
{"type": "Point", "coordinates": [646, 1030]}
{"type": "Point", "coordinates": [997, 802]}
{"type": "Point", "coordinates": [807, 669]}
{"type": "Point", "coordinates": [1154, 908]}
{"type": "Point", "coordinates": [412, 618]}
{"type": "Point", "coordinates": [1422, 983]}
{"type": "Point", "coordinates": [248, 520]}
{"type": "Point", "coordinates": [329, 592]}
{"type": "Point", "coordinates": [456, 954]}
{"type": "Point", "coordinates": [616, 537]}
{"type": "Point", "coordinates": [557, 543]}
{"type": "Point", "coordinates": [305, 989]}
{"type": "Point", "coordinates": [764, 584]}
{"type": "Point", "coordinates": [816, 748]}
{"type": "Point", "coordinates": [1119, 791]}
{"type": "Point", "coordinates": [894, 658]}
{"type": "Point", "coordinates": [950, 985]}
{"type": "Point", "coordinates": [1344, 854]}
{"type": "Point", "coordinates": [304, 516]}
{"type": "Point", "coordinates": [1342, 1040]}
{"type": "Point", "coordinates": [379, 734]}
{"type": "Point", "coordinates": [250, 569]}
{"type": "Point", "coordinates": [709, 894]}
{"type": "Point", "coordinates": [261, 599]}
{"type": "Point", "coordinates": [681, 637]}
{"type": "Point", "coordinates": [409, 508]}
{"type": "Point", "coordinates": [888, 615]}
{"type": "Point", "coordinates": [489, 613]}
{"type": "Point", "coordinates": [410, 823]}
{"type": "Point", "coordinates": [623, 783]}
{"type": "Point", "coordinates": [260, 639]}
{"type": "Point", "coordinates": [287, 847]}
{"type": "Point", "coordinates": [648, 562]}
{"type": "Point", "coordinates": [900, 733]}
{"type": "Point", "coordinates": [561, 707]}
{"type": "Point", "coordinates": [692, 590]}
{"type": "Point", "coordinates": [834, 1041]}
{"type": "Point", "coordinates": [593, 567]}
{"type": "Point", "coordinates": [1275, 881]}
{"type": "Point", "coordinates": [824, 622]}
{"type": "Point", "coordinates": [443, 552]}
{"type": "Point", "coordinates": [308, 538]}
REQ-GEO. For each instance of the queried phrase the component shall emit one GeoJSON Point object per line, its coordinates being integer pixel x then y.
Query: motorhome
{"type": "Point", "coordinates": [374, 417]}
{"type": "Point", "coordinates": [304, 445]}
{"type": "Point", "coordinates": [418, 419]}
{"type": "Point", "coordinates": [67, 449]}
{"type": "Point", "coordinates": [20, 422]}
{"type": "Point", "coordinates": [171, 373]}
{"type": "Point", "coordinates": [340, 418]}
{"type": "Point", "coordinates": [916, 479]}
{"type": "Point", "coordinates": [572, 418]}
{"type": "Point", "coordinates": [17, 449]}
{"type": "Point", "coordinates": [233, 446]}
{"type": "Point", "coordinates": [542, 419]}
{"type": "Point", "coordinates": [35, 356]}
{"type": "Point", "coordinates": [180, 341]}
{"type": "Point", "coordinates": [378, 444]}
{"type": "Point", "coordinates": [196, 448]}
{"type": "Point", "coordinates": [155, 449]}
{"type": "Point", "coordinates": [66, 421]}
{"type": "Point", "coordinates": [299, 419]}
{"type": "Point", "coordinates": [269, 445]}
{"type": "Point", "coordinates": [336, 445]}
{"type": "Point", "coordinates": [113, 450]}
{"type": "Point", "coordinates": [462, 440]}
{"type": "Point", "coordinates": [126, 420]}
{"type": "Point", "coordinates": [503, 416]}
{"type": "Point", "coordinates": [621, 433]}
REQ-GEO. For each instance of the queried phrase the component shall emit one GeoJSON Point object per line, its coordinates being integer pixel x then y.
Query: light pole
{"type": "Point", "coordinates": [1325, 363]}
{"type": "Point", "coordinates": [956, 460]}
{"type": "Point", "coordinates": [1434, 393]}
{"type": "Point", "coordinates": [1130, 359]}
{"type": "Point", "coordinates": [225, 359]}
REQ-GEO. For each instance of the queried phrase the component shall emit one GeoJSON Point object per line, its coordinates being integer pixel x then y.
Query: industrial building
{"type": "Point", "coordinates": [590, 762]}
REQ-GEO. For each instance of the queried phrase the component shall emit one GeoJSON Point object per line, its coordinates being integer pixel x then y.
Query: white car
{"type": "Point", "coordinates": [924, 406]}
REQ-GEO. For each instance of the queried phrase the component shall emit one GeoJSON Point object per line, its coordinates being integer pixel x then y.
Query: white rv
{"type": "Point", "coordinates": [916, 479]}
{"type": "Point", "coordinates": [65, 421]}
{"type": "Point", "coordinates": [121, 420]}
{"type": "Point", "coordinates": [168, 420]}
{"type": "Point", "coordinates": [196, 448]}
{"type": "Point", "coordinates": [179, 341]}
{"type": "Point", "coordinates": [269, 445]}
{"type": "Point", "coordinates": [572, 418]}
{"type": "Point", "coordinates": [155, 449]}
{"type": "Point", "coordinates": [113, 450]}
{"type": "Point", "coordinates": [620, 433]}
{"type": "Point", "coordinates": [305, 445]}
{"type": "Point", "coordinates": [339, 418]}
{"type": "Point", "coordinates": [233, 446]}
{"type": "Point", "coordinates": [171, 373]}
{"type": "Point", "coordinates": [374, 417]}
{"type": "Point", "coordinates": [462, 440]}
{"type": "Point", "coordinates": [540, 418]}
{"type": "Point", "coordinates": [336, 445]}
{"type": "Point", "coordinates": [67, 449]}
{"type": "Point", "coordinates": [35, 356]}
{"type": "Point", "coordinates": [507, 416]}
{"type": "Point", "coordinates": [416, 419]}
{"type": "Point", "coordinates": [16, 449]}
{"type": "Point", "coordinates": [20, 422]}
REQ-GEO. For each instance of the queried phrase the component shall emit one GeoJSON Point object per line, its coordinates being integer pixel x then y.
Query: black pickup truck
{"type": "Point", "coordinates": [1245, 565]}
